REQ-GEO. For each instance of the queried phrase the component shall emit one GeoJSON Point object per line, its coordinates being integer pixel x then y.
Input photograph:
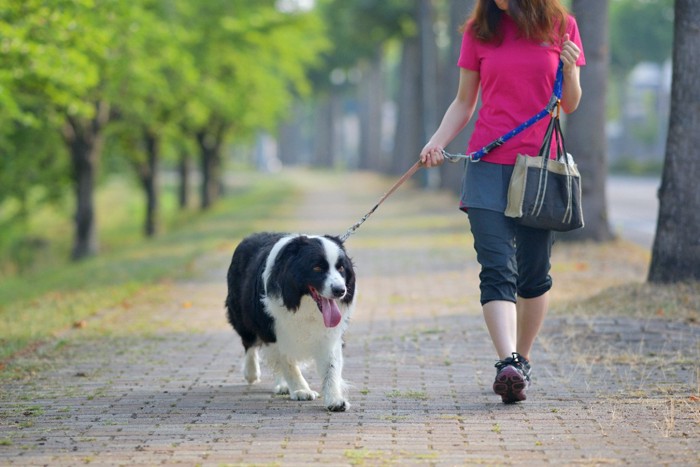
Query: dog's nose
{"type": "Point", "coordinates": [338, 291]}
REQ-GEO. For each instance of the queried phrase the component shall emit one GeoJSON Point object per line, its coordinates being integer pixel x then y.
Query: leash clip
{"type": "Point", "coordinates": [554, 105]}
{"type": "Point", "coordinates": [457, 157]}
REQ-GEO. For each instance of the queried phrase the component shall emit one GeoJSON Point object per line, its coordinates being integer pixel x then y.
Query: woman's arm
{"type": "Point", "coordinates": [571, 89]}
{"type": "Point", "coordinates": [455, 119]}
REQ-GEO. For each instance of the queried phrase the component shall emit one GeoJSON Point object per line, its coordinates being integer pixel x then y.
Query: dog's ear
{"type": "Point", "coordinates": [284, 279]}
{"type": "Point", "coordinates": [291, 294]}
{"type": "Point", "coordinates": [349, 268]}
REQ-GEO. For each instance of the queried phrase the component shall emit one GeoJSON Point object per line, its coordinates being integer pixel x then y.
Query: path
{"type": "Point", "coordinates": [606, 390]}
{"type": "Point", "coordinates": [633, 207]}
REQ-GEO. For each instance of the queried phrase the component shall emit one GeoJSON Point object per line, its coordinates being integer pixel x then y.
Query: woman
{"type": "Point", "coordinates": [510, 50]}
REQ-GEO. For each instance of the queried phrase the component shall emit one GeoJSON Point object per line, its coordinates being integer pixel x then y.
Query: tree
{"type": "Point", "coordinates": [410, 133]}
{"type": "Point", "coordinates": [70, 70]}
{"type": "Point", "coordinates": [153, 77]}
{"type": "Point", "coordinates": [252, 60]}
{"type": "Point", "coordinates": [676, 249]}
{"type": "Point", "coordinates": [59, 56]}
{"type": "Point", "coordinates": [639, 31]}
{"type": "Point", "coordinates": [585, 128]}
{"type": "Point", "coordinates": [359, 32]}
{"type": "Point", "coordinates": [451, 175]}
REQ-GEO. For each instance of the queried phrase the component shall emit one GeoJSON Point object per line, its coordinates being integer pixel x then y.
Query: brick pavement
{"type": "Point", "coordinates": [608, 390]}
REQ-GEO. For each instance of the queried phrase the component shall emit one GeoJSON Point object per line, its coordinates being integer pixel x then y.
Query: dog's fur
{"type": "Point", "coordinates": [292, 295]}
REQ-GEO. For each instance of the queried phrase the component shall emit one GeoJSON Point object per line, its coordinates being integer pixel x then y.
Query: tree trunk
{"type": "Point", "coordinates": [84, 140]}
{"type": "Point", "coordinates": [325, 137]}
{"type": "Point", "coordinates": [371, 108]}
{"type": "Point", "coordinates": [210, 159]}
{"type": "Point", "coordinates": [149, 180]}
{"type": "Point", "coordinates": [327, 144]}
{"type": "Point", "coordinates": [84, 172]}
{"type": "Point", "coordinates": [451, 173]}
{"type": "Point", "coordinates": [290, 137]}
{"type": "Point", "coordinates": [183, 170]}
{"type": "Point", "coordinates": [585, 128]}
{"type": "Point", "coordinates": [428, 86]}
{"type": "Point", "coordinates": [408, 139]}
{"type": "Point", "coordinates": [676, 250]}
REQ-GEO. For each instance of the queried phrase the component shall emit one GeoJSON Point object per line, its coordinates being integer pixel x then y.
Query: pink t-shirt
{"type": "Point", "coordinates": [517, 78]}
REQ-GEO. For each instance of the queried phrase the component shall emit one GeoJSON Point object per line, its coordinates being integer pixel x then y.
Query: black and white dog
{"type": "Point", "coordinates": [292, 295]}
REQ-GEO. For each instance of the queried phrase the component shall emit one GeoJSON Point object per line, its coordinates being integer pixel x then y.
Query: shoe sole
{"type": "Point", "coordinates": [510, 384]}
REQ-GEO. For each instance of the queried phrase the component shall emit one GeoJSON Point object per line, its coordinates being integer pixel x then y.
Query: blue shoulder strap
{"type": "Point", "coordinates": [551, 106]}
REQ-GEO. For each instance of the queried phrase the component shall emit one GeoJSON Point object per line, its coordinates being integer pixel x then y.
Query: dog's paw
{"type": "Point", "coordinates": [281, 388]}
{"type": "Point", "coordinates": [251, 376]}
{"type": "Point", "coordinates": [338, 406]}
{"type": "Point", "coordinates": [303, 395]}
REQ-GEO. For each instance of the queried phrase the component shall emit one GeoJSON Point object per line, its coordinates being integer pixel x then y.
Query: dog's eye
{"type": "Point", "coordinates": [341, 268]}
{"type": "Point", "coordinates": [318, 269]}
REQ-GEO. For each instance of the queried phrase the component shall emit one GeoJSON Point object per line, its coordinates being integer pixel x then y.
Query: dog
{"type": "Point", "coordinates": [292, 295]}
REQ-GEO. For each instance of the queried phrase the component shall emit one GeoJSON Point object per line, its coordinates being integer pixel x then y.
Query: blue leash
{"type": "Point", "coordinates": [548, 110]}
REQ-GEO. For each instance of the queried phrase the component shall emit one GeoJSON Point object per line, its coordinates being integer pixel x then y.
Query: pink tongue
{"type": "Point", "coordinates": [331, 313]}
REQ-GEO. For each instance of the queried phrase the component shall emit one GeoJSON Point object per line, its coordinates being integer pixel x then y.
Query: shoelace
{"type": "Point", "coordinates": [516, 360]}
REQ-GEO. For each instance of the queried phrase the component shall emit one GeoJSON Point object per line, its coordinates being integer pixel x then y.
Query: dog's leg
{"type": "Point", "coordinates": [281, 386]}
{"type": "Point", "coordinates": [288, 377]}
{"type": "Point", "coordinates": [251, 369]}
{"type": "Point", "coordinates": [330, 368]}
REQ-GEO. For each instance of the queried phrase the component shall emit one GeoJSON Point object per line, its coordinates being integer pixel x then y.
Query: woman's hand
{"type": "Point", "coordinates": [432, 155]}
{"type": "Point", "coordinates": [569, 54]}
{"type": "Point", "coordinates": [571, 90]}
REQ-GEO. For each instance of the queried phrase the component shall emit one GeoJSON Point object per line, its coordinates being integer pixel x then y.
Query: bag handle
{"type": "Point", "coordinates": [553, 130]}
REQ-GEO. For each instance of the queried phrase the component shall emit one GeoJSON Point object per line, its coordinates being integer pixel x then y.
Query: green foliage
{"type": "Point", "coordinates": [640, 31]}
{"type": "Point", "coordinates": [166, 67]}
{"type": "Point", "coordinates": [45, 301]}
{"type": "Point", "coordinates": [251, 58]}
{"type": "Point", "coordinates": [46, 57]}
{"type": "Point", "coordinates": [359, 30]}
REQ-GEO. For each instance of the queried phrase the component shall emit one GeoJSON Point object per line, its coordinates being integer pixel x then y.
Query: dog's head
{"type": "Point", "coordinates": [317, 266]}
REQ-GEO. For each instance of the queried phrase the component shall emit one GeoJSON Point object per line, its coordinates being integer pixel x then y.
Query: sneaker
{"type": "Point", "coordinates": [524, 366]}
{"type": "Point", "coordinates": [512, 378]}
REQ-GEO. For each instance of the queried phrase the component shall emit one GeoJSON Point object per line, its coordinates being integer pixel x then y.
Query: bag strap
{"type": "Point", "coordinates": [549, 109]}
{"type": "Point", "coordinates": [553, 132]}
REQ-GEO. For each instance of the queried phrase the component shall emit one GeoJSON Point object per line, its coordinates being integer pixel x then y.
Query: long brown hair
{"type": "Point", "coordinates": [536, 19]}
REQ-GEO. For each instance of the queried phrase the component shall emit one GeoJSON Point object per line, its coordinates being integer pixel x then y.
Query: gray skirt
{"type": "Point", "coordinates": [485, 186]}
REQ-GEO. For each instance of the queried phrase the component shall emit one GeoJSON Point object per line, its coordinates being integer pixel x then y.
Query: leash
{"type": "Point", "coordinates": [409, 173]}
{"type": "Point", "coordinates": [552, 106]}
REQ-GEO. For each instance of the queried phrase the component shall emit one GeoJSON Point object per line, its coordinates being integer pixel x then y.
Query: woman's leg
{"type": "Point", "coordinates": [531, 313]}
{"type": "Point", "coordinates": [501, 321]}
{"type": "Point", "coordinates": [495, 251]}
{"type": "Point", "coordinates": [534, 248]}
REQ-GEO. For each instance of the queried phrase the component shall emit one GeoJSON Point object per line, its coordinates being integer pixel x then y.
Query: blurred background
{"type": "Point", "coordinates": [120, 119]}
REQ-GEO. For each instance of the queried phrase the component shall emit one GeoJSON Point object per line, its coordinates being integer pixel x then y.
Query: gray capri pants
{"type": "Point", "coordinates": [514, 259]}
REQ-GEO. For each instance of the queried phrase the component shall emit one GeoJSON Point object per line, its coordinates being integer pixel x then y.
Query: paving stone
{"type": "Point", "coordinates": [417, 357]}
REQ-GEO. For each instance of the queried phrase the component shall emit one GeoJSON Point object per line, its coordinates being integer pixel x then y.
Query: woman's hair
{"type": "Point", "coordinates": [536, 19]}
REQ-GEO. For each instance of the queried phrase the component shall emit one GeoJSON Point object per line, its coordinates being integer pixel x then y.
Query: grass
{"type": "Point", "coordinates": [590, 279]}
{"type": "Point", "coordinates": [408, 394]}
{"type": "Point", "coordinates": [39, 304]}
{"type": "Point", "coordinates": [643, 300]}
{"type": "Point", "coordinates": [609, 279]}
